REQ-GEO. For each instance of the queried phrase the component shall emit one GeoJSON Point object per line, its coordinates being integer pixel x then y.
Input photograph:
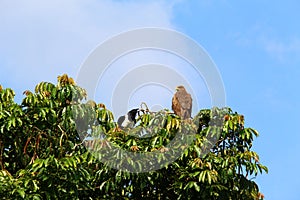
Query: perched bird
{"type": "Point", "coordinates": [182, 103]}
{"type": "Point", "coordinates": [128, 120]}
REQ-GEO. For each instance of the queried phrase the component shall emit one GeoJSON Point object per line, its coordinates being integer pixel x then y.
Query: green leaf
{"type": "Point", "coordinates": [197, 187]}
{"type": "Point", "coordinates": [21, 192]}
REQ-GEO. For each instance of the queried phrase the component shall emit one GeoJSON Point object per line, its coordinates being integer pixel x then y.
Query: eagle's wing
{"type": "Point", "coordinates": [188, 108]}
{"type": "Point", "coordinates": [176, 105]}
{"type": "Point", "coordinates": [185, 100]}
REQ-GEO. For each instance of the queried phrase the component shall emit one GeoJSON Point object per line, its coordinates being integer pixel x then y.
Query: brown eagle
{"type": "Point", "coordinates": [182, 103]}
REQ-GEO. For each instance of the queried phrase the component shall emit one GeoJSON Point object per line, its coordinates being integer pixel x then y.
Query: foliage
{"type": "Point", "coordinates": [43, 154]}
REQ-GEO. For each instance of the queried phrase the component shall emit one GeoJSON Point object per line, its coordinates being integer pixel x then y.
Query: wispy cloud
{"type": "Point", "coordinates": [41, 39]}
{"type": "Point", "coordinates": [282, 50]}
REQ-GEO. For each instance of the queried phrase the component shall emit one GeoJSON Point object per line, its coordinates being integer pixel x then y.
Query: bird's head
{"type": "Point", "coordinates": [132, 113]}
{"type": "Point", "coordinates": [180, 87]}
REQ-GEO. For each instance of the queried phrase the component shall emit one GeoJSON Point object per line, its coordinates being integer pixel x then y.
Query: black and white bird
{"type": "Point", "coordinates": [128, 120]}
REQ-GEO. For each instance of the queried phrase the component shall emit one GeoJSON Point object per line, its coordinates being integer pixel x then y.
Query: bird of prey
{"type": "Point", "coordinates": [182, 103]}
{"type": "Point", "coordinates": [128, 120]}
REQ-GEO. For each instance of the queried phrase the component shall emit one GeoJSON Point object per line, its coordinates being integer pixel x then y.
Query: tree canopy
{"type": "Point", "coordinates": [45, 153]}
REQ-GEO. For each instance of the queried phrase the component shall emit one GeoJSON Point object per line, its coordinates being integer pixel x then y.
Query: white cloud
{"type": "Point", "coordinates": [282, 50]}
{"type": "Point", "coordinates": [280, 47]}
{"type": "Point", "coordinates": [42, 39]}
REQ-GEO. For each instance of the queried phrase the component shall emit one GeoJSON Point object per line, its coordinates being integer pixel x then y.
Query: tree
{"type": "Point", "coordinates": [43, 155]}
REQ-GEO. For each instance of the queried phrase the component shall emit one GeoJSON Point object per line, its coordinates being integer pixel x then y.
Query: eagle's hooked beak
{"type": "Point", "coordinates": [177, 88]}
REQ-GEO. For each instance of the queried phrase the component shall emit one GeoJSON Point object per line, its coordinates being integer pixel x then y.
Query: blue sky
{"type": "Point", "coordinates": [255, 44]}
